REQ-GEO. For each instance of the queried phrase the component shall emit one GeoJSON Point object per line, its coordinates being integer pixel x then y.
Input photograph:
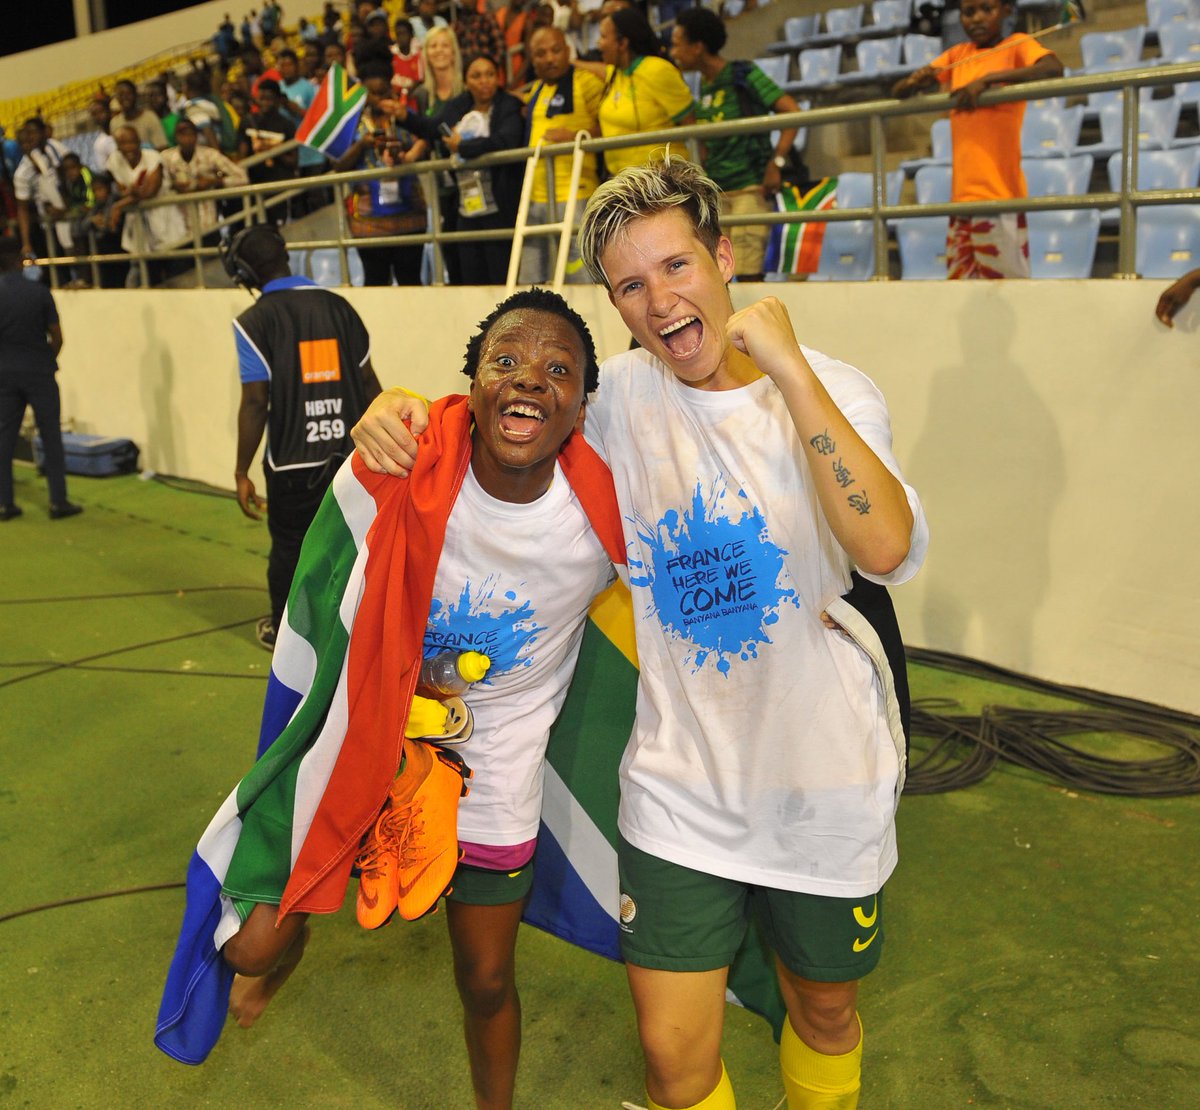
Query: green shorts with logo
{"type": "Point", "coordinates": [480, 886]}
{"type": "Point", "coordinates": [675, 919]}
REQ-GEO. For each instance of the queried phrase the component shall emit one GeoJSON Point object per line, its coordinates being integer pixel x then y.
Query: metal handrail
{"type": "Point", "coordinates": [1127, 199]}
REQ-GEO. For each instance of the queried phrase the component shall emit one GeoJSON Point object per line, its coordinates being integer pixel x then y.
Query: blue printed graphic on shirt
{"type": "Point", "coordinates": [505, 633]}
{"type": "Point", "coordinates": [717, 580]}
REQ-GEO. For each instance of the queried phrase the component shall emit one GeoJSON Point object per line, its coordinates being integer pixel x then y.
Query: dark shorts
{"type": "Point", "coordinates": [675, 919]}
{"type": "Point", "coordinates": [479, 886]}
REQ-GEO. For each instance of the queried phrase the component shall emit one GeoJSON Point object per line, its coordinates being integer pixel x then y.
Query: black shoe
{"type": "Point", "coordinates": [66, 509]}
{"type": "Point", "coordinates": [264, 632]}
{"type": "Point", "coordinates": [10, 512]}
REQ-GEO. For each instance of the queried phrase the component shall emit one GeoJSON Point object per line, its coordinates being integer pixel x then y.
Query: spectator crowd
{"type": "Point", "coordinates": [441, 81]}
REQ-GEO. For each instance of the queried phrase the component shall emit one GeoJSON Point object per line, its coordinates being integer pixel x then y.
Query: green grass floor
{"type": "Point", "coordinates": [1041, 945]}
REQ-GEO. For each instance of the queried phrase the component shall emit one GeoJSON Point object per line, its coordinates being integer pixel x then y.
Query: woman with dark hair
{"type": "Point", "coordinates": [642, 90]}
{"type": "Point", "coordinates": [482, 120]}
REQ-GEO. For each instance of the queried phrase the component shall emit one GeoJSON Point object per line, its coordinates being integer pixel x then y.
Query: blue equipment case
{"type": "Point", "coordinates": [95, 456]}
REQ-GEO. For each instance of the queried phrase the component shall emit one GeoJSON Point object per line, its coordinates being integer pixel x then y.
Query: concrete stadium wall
{"type": "Point", "coordinates": [1049, 427]}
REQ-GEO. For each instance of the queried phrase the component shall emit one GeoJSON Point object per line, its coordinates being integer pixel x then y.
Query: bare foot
{"type": "Point", "coordinates": [251, 994]}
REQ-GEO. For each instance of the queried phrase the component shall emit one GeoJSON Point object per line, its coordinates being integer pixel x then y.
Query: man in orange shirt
{"type": "Point", "coordinates": [986, 141]}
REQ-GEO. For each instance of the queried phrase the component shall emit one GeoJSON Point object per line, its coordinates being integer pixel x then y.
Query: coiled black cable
{"type": "Point", "coordinates": [965, 748]}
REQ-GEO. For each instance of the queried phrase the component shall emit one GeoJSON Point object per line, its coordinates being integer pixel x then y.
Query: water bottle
{"type": "Point", "coordinates": [449, 673]}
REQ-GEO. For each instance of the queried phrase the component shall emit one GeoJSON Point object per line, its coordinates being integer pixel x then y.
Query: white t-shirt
{"type": "Point", "coordinates": [163, 224]}
{"type": "Point", "coordinates": [763, 750]}
{"type": "Point", "coordinates": [102, 147]}
{"type": "Point", "coordinates": [36, 176]}
{"type": "Point", "coordinates": [514, 582]}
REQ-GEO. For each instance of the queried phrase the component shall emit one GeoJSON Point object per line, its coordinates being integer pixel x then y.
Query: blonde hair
{"type": "Point", "coordinates": [639, 191]}
{"type": "Point", "coordinates": [456, 69]}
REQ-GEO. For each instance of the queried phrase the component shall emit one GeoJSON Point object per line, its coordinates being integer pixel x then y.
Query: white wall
{"type": "Point", "coordinates": [1049, 426]}
{"type": "Point", "coordinates": [48, 67]}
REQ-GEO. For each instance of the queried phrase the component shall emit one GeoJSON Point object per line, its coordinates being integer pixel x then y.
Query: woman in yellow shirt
{"type": "Point", "coordinates": [642, 90]}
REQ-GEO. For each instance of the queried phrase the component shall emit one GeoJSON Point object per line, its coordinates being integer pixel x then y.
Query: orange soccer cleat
{"type": "Point", "coordinates": [427, 810]}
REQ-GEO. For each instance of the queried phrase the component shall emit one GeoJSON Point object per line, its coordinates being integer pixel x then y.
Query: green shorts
{"type": "Point", "coordinates": [675, 919]}
{"type": "Point", "coordinates": [480, 886]}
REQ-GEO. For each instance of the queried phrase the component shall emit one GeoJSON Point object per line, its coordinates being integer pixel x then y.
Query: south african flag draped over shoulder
{"type": "Point", "coordinates": [342, 679]}
{"type": "Point", "coordinates": [330, 122]}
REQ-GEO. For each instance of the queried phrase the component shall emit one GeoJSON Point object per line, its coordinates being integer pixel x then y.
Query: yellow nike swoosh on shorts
{"type": "Point", "coordinates": [865, 922]}
{"type": "Point", "coordinates": [861, 945]}
{"type": "Point", "coordinates": [514, 874]}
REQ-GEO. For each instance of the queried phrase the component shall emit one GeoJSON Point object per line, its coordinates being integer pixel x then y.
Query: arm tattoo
{"type": "Point", "coordinates": [842, 473]}
{"type": "Point", "coordinates": [859, 502]}
{"type": "Point", "coordinates": [823, 444]}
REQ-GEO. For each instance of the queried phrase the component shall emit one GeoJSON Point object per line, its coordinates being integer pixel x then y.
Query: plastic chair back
{"type": "Point", "coordinates": [847, 250]}
{"type": "Point", "coordinates": [1058, 177]}
{"type": "Point", "coordinates": [922, 243]}
{"type": "Point", "coordinates": [775, 67]}
{"type": "Point", "coordinates": [844, 21]}
{"type": "Point", "coordinates": [1113, 47]}
{"type": "Point", "coordinates": [1180, 42]}
{"type": "Point", "coordinates": [876, 55]}
{"type": "Point", "coordinates": [940, 139]}
{"type": "Point", "coordinates": [821, 63]}
{"type": "Point", "coordinates": [933, 185]}
{"type": "Point", "coordinates": [920, 50]}
{"type": "Point", "coordinates": [1168, 240]}
{"type": "Point", "coordinates": [1161, 169]}
{"type": "Point", "coordinates": [1050, 131]}
{"type": "Point", "coordinates": [890, 13]}
{"type": "Point", "coordinates": [1063, 244]}
{"type": "Point", "coordinates": [800, 27]}
{"type": "Point", "coordinates": [1157, 123]}
{"type": "Point", "coordinates": [1162, 13]}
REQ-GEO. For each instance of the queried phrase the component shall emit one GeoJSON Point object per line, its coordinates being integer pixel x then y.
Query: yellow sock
{"type": "Point", "coordinates": [719, 1098]}
{"type": "Point", "coordinates": [814, 1081]}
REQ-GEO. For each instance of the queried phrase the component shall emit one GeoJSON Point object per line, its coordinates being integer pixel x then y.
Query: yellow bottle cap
{"type": "Point", "coordinates": [473, 665]}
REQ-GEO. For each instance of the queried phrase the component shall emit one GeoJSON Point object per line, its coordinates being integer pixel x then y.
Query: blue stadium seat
{"type": "Point", "coordinates": [327, 270]}
{"type": "Point", "coordinates": [1097, 100]}
{"type": "Point", "coordinates": [878, 60]}
{"type": "Point", "coordinates": [1157, 123]}
{"type": "Point", "coordinates": [1058, 177]}
{"type": "Point", "coordinates": [1168, 240]}
{"type": "Point", "coordinates": [847, 251]}
{"type": "Point", "coordinates": [1188, 93]}
{"type": "Point", "coordinates": [1113, 47]}
{"type": "Point", "coordinates": [298, 263]}
{"type": "Point", "coordinates": [920, 50]}
{"type": "Point", "coordinates": [1179, 42]}
{"type": "Point", "coordinates": [933, 184]}
{"type": "Point", "coordinates": [1158, 120]}
{"type": "Point", "coordinates": [1050, 132]}
{"type": "Point", "coordinates": [844, 21]}
{"type": "Point", "coordinates": [922, 243]}
{"type": "Point", "coordinates": [1161, 169]}
{"type": "Point", "coordinates": [818, 68]}
{"type": "Point", "coordinates": [1162, 13]}
{"type": "Point", "coordinates": [1063, 244]}
{"type": "Point", "coordinates": [939, 141]}
{"type": "Point", "coordinates": [800, 27]}
{"type": "Point", "coordinates": [891, 13]}
{"type": "Point", "coordinates": [775, 67]}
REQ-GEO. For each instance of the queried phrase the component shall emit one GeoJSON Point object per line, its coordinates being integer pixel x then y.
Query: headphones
{"type": "Point", "coordinates": [236, 266]}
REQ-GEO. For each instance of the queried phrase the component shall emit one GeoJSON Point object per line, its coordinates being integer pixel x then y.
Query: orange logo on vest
{"type": "Point", "coordinates": [319, 361]}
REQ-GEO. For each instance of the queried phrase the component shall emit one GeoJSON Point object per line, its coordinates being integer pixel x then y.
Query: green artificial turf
{"type": "Point", "coordinates": [1040, 941]}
